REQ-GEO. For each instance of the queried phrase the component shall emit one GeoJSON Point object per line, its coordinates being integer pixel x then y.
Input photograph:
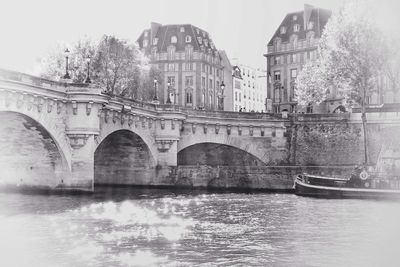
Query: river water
{"type": "Point", "coordinates": [148, 227]}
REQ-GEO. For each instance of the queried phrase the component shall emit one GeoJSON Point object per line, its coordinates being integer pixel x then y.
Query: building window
{"type": "Point", "coordinates": [283, 30]}
{"type": "Point", "coordinates": [205, 42]}
{"type": "Point", "coordinates": [210, 69]}
{"type": "Point", "coordinates": [188, 66]}
{"type": "Point", "coordinates": [277, 60]}
{"type": "Point", "coordinates": [294, 17]}
{"type": "Point", "coordinates": [203, 82]}
{"type": "Point", "coordinates": [237, 84]}
{"type": "Point", "coordinates": [146, 33]}
{"type": "Point", "coordinates": [189, 51]}
{"type": "Point", "coordinates": [293, 74]}
{"type": "Point", "coordinates": [240, 96]}
{"type": "Point", "coordinates": [155, 41]}
{"type": "Point", "coordinates": [154, 52]}
{"type": "Point", "coordinates": [182, 29]}
{"type": "Point", "coordinates": [236, 96]}
{"type": "Point", "coordinates": [171, 67]}
{"type": "Point", "coordinates": [188, 39]}
{"type": "Point", "coordinates": [189, 98]}
{"type": "Point", "coordinates": [294, 58]}
{"type": "Point", "coordinates": [310, 25]}
{"type": "Point", "coordinates": [277, 75]}
{"type": "Point", "coordinates": [171, 80]}
{"type": "Point", "coordinates": [174, 40]}
{"type": "Point", "coordinates": [145, 42]}
{"type": "Point", "coordinates": [296, 28]}
{"type": "Point", "coordinates": [188, 81]}
{"type": "Point", "coordinates": [171, 52]}
{"type": "Point", "coordinates": [211, 100]}
{"type": "Point", "coordinates": [210, 85]}
{"type": "Point", "coordinates": [217, 85]}
{"type": "Point", "coordinates": [199, 40]}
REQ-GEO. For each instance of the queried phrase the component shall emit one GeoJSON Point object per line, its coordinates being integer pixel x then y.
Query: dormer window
{"type": "Point", "coordinates": [182, 29]}
{"type": "Point", "coordinates": [174, 40]}
{"type": "Point", "coordinates": [283, 30]}
{"type": "Point", "coordinates": [294, 17]}
{"type": "Point", "coordinates": [205, 42]}
{"type": "Point", "coordinates": [198, 31]}
{"type": "Point", "coordinates": [188, 39]}
{"type": "Point", "coordinates": [146, 33]}
{"type": "Point", "coordinates": [199, 40]}
{"type": "Point", "coordinates": [204, 34]}
{"type": "Point", "coordinates": [145, 42]}
{"type": "Point", "coordinates": [296, 28]}
{"type": "Point", "coordinates": [155, 41]}
{"type": "Point", "coordinates": [310, 25]}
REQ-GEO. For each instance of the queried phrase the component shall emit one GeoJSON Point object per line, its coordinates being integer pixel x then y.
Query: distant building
{"type": "Point", "coordinates": [249, 87]}
{"type": "Point", "coordinates": [192, 67]}
{"type": "Point", "coordinates": [294, 43]}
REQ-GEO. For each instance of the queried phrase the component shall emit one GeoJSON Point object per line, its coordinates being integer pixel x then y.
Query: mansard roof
{"type": "Point", "coordinates": [318, 16]}
{"type": "Point", "coordinates": [199, 38]}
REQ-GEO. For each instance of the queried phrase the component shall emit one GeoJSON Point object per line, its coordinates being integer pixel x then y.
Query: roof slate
{"type": "Point", "coordinates": [318, 16]}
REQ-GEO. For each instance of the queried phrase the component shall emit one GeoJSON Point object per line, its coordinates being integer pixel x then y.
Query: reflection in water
{"type": "Point", "coordinates": [126, 227]}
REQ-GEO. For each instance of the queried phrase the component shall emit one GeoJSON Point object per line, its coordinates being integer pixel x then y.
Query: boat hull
{"type": "Point", "coordinates": [305, 189]}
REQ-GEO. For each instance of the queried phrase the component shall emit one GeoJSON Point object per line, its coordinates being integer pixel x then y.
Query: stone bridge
{"type": "Point", "coordinates": [71, 136]}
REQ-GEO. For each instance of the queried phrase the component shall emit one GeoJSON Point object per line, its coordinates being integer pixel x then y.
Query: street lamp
{"type": "Point", "coordinates": [168, 97]}
{"type": "Point", "coordinates": [66, 76]}
{"type": "Point", "coordinates": [155, 90]}
{"type": "Point", "coordinates": [221, 96]}
{"type": "Point", "coordinates": [88, 69]}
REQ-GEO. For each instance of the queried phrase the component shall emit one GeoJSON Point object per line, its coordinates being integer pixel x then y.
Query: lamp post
{"type": "Point", "coordinates": [88, 70]}
{"type": "Point", "coordinates": [221, 96]}
{"type": "Point", "coordinates": [168, 97]}
{"type": "Point", "coordinates": [66, 76]}
{"type": "Point", "coordinates": [155, 99]}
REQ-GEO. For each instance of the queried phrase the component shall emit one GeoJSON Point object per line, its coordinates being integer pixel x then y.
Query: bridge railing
{"type": "Point", "coordinates": [15, 76]}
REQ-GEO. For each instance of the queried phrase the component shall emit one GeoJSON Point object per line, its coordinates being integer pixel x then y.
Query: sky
{"type": "Point", "coordinates": [29, 29]}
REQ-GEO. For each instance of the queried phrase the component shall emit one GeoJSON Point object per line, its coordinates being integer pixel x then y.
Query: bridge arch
{"type": "Point", "coordinates": [31, 153]}
{"type": "Point", "coordinates": [216, 154]}
{"type": "Point", "coordinates": [240, 143]}
{"type": "Point", "coordinates": [123, 157]}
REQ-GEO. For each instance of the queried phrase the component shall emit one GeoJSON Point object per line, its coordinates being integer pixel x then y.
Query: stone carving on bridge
{"type": "Point", "coordinates": [251, 130]}
{"type": "Point", "coordinates": [162, 123]}
{"type": "Point", "coordinates": [78, 140]}
{"type": "Point", "coordinates": [173, 124]}
{"type": "Point", "coordinates": [205, 128]}
{"type": "Point", "coordinates": [150, 123]}
{"type": "Point", "coordinates": [144, 122]}
{"type": "Point", "coordinates": [239, 130]}
{"type": "Point", "coordinates": [115, 116]}
{"type": "Point", "coordinates": [59, 106]}
{"type": "Point", "coordinates": [20, 100]}
{"type": "Point", "coordinates": [194, 127]}
{"type": "Point", "coordinates": [89, 107]}
{"type": "Point", "coordinates": [228, 129]}
{"type": "Point", "coordinates": [217, 128]}
{"type": "Point", "coordinates": [164, 143]}
{"type": "Point", "coordinates": [122, 118]}
{"type": "Point", "coordinates": [39, 104]}
{"type": "Point", "coordinates": [49, 105]}
{"type": "Point", "coordinates": [74, 107]}
{"type": "Point", "coordinates": [130, 120]}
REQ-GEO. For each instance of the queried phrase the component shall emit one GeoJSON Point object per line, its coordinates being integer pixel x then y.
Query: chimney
{"type": "Point", "coordinates": [307, 13]}
{"type": "Point", "coordinates": [153, 30]}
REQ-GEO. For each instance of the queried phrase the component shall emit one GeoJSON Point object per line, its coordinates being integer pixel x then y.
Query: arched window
{"type": "Point", "coordinates": [174, 40]}
{"type": "Point", "coordinates": [189, 97]}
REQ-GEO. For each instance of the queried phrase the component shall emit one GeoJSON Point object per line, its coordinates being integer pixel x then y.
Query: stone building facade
{"type": "Point", "coordinates": [191, 66]}
{"type": "Point", "coordinates": [293, 44]}
{"type": "Point", "coordinates": [249, 89]}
